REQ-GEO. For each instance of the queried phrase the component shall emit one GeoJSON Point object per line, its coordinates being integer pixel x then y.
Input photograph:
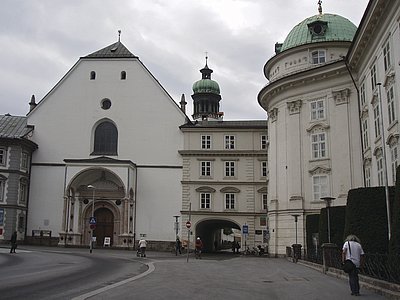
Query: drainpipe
{"type": "Point", "coordinates": [359, 114]}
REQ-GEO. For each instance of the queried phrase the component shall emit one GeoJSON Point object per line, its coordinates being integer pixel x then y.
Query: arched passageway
{"type": "Point", "coordinates": [211, 231]}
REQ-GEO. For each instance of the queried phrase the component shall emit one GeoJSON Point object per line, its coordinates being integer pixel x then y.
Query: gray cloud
{"type": "Point", "coordinates": [41, 40]}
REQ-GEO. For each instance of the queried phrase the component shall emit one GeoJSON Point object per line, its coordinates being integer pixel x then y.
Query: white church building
{"type": "Point", "coordinates": [99, 157]}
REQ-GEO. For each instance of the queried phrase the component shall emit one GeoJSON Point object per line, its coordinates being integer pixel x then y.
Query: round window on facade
{"type": "Point", "coordinates": [105, 103]}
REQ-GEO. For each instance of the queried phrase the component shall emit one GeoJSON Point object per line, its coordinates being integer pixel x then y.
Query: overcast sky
{"type": "Point", "coordinates": [41, 40]}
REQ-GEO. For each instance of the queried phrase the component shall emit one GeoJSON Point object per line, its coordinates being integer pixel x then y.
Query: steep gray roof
{"type": "Point", "coordinates": [14, 127]}
{"type": "Point", "coordinates": [116, 50]}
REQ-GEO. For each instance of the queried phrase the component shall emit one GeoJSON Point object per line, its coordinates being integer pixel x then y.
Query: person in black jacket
{"type": "Point", "coordinates": [13, 241]}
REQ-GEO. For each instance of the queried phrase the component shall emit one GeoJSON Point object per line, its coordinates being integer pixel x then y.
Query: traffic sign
{"type": "Point", "coordinates": [245, 229]}
{"type": "Point", "coordinates": [92, 221]}
{"type": "Point", "coordinates": [92, 226]}
{"type": "Point", "coordinates": [188, 224]}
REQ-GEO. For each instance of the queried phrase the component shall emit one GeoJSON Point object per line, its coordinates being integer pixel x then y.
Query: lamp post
{"type": "Point", "coordinates": [295, 221]}
{"type": "Point", "coordinates": [328, 201]}
{"type": "Point", "coordinates": [385, 174]}
{"type": "Point", "coordinates": [92, 217]}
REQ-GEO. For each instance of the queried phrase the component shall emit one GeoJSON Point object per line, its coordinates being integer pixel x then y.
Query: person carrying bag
{"type": "Point", "coordinates": [352, 259]}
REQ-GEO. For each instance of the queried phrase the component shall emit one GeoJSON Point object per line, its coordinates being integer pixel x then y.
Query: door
{"type": "Point", "coordinates": [104, 226]}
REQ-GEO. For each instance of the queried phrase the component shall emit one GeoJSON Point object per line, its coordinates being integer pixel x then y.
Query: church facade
{"type": "Point", "coordinates": [100, 155]}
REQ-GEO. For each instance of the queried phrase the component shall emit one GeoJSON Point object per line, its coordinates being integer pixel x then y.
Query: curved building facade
{"type": "Point", "coordinates": [315, 148]}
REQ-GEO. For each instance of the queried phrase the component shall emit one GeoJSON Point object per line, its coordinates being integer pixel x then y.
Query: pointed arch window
{"type": "Point", "coordinates": [105, 139]}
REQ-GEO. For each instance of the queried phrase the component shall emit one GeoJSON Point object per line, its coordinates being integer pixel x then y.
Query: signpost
{"type": "Point", "coordinates": [245, 231]}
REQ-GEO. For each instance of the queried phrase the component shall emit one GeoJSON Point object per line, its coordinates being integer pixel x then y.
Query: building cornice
{"type": "Point", "coordinates": [224, 153]}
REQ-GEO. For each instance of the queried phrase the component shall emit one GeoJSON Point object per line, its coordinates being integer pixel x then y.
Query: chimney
{"type": "Point", "coordinates": [32, 104]}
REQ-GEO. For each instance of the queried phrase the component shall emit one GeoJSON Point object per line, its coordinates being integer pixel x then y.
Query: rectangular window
{"type": "Point", "coordinates": [379, 164]}
{"type": "Point", "coordinates": [2, 185]}
{"type": "Point", "coordinates": [24, 161]}
{"type": "Point", "coordinates": [318, 144]}
{"type": "Point", "coordinates": [206, 142]}
{"type": "Point", "coordinates": [386, 56]}
{"type": "Point", "coordinates": [390, 104]}
{"type": "Point", "coordinates": [205, 168]}
{"type": "Point", "coordinates": [373, 77]}
{"type": "Point", "coordinates": [320, 187]}
{"type": "Point", "coordinates": [22, 193]}
{"type": "Point", "coordinates": [394, 159]}
{"type": "Point", "coordinates": [317, 108]}
{"type": "Point", "coordinates": [264, 203]}
{"type": "Point", "coordinates": [368, 176]}
{"type": "Point", "coordinates": [229, 169]}
{"type": "Point", "coordinates": [205, 200]}
{"type": "Point", "coordinates": [229, 142]}
{"type": "Point", "coordinates": [3, 156]}
{"type": "Point", "coordinates": [365, 134]}
{"type": "Point", "coordinates": [362, 94]}
{"type": "Point", "coordinates": [377, 120]}
{"type": "Point", "coordinates": [229, 201]}
{"type": "Point", "coordinates": [264, 169]}
{"type": "Point", "coordinates": [318, 57]}
{"type": "Point", "coordinates": [264, 141]}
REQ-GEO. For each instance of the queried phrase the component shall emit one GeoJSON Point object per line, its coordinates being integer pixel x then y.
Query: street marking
{"type": "Point", "coordinates": [109, 287]}
{"type": "Point", "coordinates": [5, 250]}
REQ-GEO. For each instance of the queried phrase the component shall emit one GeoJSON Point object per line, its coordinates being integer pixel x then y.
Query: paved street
{"type": "Point", "coordinates": [165, 276]}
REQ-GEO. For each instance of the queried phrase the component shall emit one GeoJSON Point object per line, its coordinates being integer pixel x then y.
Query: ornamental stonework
{"type": "Point", "coordinates": [273, 114]}
{"type": "Point", "coordinates": [294, 107]}
{"type": "Point", "coordinates": [341, 97]}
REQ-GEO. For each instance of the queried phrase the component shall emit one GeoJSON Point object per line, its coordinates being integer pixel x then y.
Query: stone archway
{"type": "Point", "coordinates": [209, 230]}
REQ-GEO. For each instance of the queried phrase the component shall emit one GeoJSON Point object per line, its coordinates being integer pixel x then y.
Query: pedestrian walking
{"type": "Point", "coordinates": [352, 250]}
{"type": "Point", "coordinates": [198, 248]}
{"type": "Point", "coordinates": [178, 246]}
{"type": "Point", "coordinates": [13, 242]}
{"type": "Point", "coordinates": [142, 246]}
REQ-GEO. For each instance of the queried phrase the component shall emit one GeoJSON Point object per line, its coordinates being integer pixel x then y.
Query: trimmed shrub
{"type": "Point", "coordinates": [337, 220]}
{"type": "Point", "coordinates": [366, 217]}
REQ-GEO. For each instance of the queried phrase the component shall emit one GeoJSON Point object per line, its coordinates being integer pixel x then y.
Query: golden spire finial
{"type": "Point", "coordinates": [320, 7]}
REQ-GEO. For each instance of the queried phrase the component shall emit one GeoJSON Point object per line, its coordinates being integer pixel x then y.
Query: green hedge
{"type": "Point", "coordinates": [395, 218]}
{"type": "Point", "coordinates": [337, 221]}
{"type": "Point", "coordinates": [312, 226]}
{"type": "Point", "coordinates": [366, 217]}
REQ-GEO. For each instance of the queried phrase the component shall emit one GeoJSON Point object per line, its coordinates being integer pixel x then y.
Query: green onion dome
{"type": "Point", "coordinates": [206, 84]}
{"type": "Point", "coordinates": [320, 28]}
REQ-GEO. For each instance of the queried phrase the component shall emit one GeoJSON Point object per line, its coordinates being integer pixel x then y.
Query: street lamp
{"type": "Point", "coordinates": [328, 201]}
{"type": "Point", "coordinates": [295, 221]}
{"type": "Point", "coordinates": [92, 217]}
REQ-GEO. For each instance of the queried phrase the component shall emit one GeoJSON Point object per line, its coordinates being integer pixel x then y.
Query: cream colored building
{"type": "Point", "coordinates": [312, 125]}
{"type": "Point", "coordinates": [225, 172]}
{"type": "Point", "coordinates": [332, 103]}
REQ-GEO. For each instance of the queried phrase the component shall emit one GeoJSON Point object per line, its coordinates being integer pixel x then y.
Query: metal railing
{"type": "Point", "coordinates": [379, 266]}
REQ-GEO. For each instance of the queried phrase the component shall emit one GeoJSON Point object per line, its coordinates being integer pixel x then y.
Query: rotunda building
{"type": "Point", "coordinates": [314, 146]}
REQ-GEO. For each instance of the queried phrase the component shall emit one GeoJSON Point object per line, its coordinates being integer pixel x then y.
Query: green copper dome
{"type": "Point", "coordinates": [320, 28]}
{"type": "Point", "coordinates": [206, 86]}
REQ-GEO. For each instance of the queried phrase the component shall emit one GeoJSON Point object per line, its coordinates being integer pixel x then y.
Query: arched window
{"type": "Point", "coordinates": [123, 75]}
{"type": "Point", "coordinates": [92, 75]}
{"type": "Point", "coordinates": [106, 139]}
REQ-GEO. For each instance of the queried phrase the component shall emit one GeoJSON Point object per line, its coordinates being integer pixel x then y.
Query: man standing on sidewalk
{"type": "Point", "coordinates": [13, 241]}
